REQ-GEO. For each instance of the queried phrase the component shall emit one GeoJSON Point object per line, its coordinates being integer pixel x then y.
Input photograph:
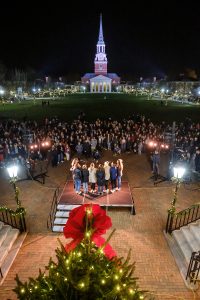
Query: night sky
{"type": "Point", "coordinates": [59, 38]}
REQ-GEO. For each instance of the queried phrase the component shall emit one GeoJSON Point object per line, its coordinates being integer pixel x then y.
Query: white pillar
{"type": "Point", "coordinates": [110, 88]}
{"type": "Point", "coordinates": [98, 87]}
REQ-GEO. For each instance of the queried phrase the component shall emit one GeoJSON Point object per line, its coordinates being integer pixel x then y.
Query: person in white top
{"type": "Point", "coordinates": [107, 175]}
{"type": "Point", "coordinates": [92, 177]}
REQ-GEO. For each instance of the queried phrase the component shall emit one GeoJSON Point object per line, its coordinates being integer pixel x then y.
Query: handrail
{"type": "Point", "coordinates": [51, 217]}
{"type": "Point", "coordinates": [182, 218]}
{"type": "Point", "coordinates": [16, 220]}
{"type": "Point", "coordinates": [194, 267]}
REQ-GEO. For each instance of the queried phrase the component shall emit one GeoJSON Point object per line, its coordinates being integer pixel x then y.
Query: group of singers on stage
{"type": "Point", "coordinates": [102, 175]}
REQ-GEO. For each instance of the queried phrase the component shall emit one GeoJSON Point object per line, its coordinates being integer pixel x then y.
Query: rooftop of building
{"type": "Point", "coordinates": [91, 75]}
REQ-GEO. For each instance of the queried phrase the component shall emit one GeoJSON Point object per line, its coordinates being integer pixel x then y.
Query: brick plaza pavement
{"type": "Point", "coordinates": [143, 233]}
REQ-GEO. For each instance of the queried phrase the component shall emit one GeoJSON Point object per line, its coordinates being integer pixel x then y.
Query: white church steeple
{"type": "Point", "coordinates": [100, 61]}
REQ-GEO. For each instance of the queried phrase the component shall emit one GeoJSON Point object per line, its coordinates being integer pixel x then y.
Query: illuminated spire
{"type": "Point", "coordinates": [100, 61]}
{"type": "Point", "coordinates": [101, 31]}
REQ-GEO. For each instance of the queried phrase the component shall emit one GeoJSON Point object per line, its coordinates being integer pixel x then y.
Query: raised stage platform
{"type": "Point", "coordinates": [122, 198]}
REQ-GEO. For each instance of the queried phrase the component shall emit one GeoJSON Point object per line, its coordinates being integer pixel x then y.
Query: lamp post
{"type": "Point", "coordinates": [178, 174]}
{"type": "Point", "coordinates": [1, 92]}
{"type": "Point", "coordinates": [12, 171]}
{"type": "Point", "coordinates": [20, 211]}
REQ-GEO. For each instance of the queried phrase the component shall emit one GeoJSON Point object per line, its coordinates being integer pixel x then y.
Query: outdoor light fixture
{"type": "Point", "coordinates": [33, 147]}
{"type": "Point", "coordinates": [1, 92]}
{"type": "Point", "coordinates": [20, 211]}
{"type": "Point", "coordinates": [12, 171]}
{"type": "Point", "coordinates": [179, 172]}
{"type": "Point", "coordinates": [164, 146]}
{"type": "Point", "coordinates": [153, 144]}
{"type": "Point", "coordinates": [45, 144]}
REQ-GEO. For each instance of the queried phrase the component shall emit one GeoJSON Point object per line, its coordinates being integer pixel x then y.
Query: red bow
{"type": "Point", "coordinates": [75, 227]}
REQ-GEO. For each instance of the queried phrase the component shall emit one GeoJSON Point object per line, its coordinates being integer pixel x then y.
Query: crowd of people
{"type": "Point", "coordinates": [56, 141]}
{"type": "Point", "coordinates": [107, 177]}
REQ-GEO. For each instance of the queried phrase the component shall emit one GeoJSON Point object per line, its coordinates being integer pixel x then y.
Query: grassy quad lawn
{"type": "Point", "coordinates": [116, 106]}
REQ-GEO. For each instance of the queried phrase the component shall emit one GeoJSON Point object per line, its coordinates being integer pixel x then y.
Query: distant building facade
{"type": "Point", "coordinates": [100, 81]}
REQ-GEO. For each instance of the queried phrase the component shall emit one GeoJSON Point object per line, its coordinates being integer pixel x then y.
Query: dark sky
{"type": "Point", "coordinates": [58, 38]}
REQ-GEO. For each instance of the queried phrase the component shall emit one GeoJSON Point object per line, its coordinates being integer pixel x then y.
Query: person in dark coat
{"type": "Point", "coordinates": [113, 177]}
{"type": "Point", "coordinates": [197, 161]}
{"type": "Point", "coordinates": [79, 149]}
{"type": "Point", "coordinates": [156, 162]}
{"type": "Point", "coordinates": [54, 157]}
{"type": "Point", "coordinates": [100, 174]}
{"type": "Point", "coordinates": [85, 178]}
{"type": "Point", "coordinates": [1, 155]}
{"type": "Point", "coordinates": [87, 148]}
{"type": "Point", "coordinates": [77, 175]}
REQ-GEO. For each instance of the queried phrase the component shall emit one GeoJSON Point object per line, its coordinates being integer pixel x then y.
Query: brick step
{"type": "Point", "coordinates": [183, 244]}
{"type": "Point", "coordinates": [11, 255]}
{"type": "Point", "coordinates": [66, 206]}
{"type": "Point", "coordinates": [195, 229]}
{"type": "Point", "coordinates": [3, 233]}
{"type": "Point", "coordinates": [193, 242]}
{"type": "Point", "coordinates": [11, 236]}
{"type": "Point", "coordinates": [62, 214]}
{"type": "Point", "coordinates": [58, 228]}
{"type": "Point", "coordinates": [1, 225]}
{"type": "Point", "coordinates": [60, 221]}
{"type": "Point", "coordinates": [180, 260]}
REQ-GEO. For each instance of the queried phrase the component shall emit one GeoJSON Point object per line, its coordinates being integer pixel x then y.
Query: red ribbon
{"type": "Point", "coordinates": [75, 227]}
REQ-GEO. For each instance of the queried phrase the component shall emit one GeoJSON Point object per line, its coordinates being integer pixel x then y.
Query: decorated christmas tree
{"type": "Point", "coordinates": [86, 268]}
